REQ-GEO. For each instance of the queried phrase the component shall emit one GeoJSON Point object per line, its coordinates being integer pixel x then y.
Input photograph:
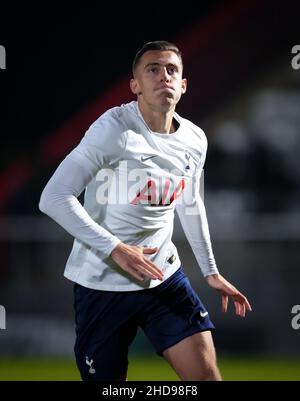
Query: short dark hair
{"type": "Point", "coordinates": [161, 45]}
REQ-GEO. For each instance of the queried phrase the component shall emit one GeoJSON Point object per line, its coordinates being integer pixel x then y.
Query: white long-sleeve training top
{"type": "Point", "coordinates": [133, 179]}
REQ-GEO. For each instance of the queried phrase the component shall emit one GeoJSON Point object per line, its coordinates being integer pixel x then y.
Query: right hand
{"type": "Point", "coordinates": [132, 260]}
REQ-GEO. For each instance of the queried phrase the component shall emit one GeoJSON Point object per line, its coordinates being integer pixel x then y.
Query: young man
{"type": "Point", "coordinates": [137, 162]}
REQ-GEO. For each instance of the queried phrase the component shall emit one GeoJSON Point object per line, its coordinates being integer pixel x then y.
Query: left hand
{"type": "Point", "coordinates": [241, 303]}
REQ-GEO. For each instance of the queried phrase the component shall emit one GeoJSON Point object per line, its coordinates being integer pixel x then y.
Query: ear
{"type": "Point", "coordinates": [134, 86]}
{"type": "Point", "coordinates": [183, 85]}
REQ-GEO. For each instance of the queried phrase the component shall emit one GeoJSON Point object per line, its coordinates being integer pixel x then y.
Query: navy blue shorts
{"type": "Point", "coordinates": [107, 322]}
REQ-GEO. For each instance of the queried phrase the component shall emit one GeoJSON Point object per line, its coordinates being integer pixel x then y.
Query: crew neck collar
{"type": "Point", "coordinates": [164, 135]}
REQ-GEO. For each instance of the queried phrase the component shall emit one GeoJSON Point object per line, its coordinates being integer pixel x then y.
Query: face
{"type": "Point", "coordinates": [158, 80]}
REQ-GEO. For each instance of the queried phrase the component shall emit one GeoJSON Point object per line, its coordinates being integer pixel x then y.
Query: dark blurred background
{"type": "Point", "coordinates": [64, 67]}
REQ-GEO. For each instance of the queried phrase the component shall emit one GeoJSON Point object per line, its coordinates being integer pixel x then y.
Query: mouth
{"type": "Point", "coordinates": [165, 89]}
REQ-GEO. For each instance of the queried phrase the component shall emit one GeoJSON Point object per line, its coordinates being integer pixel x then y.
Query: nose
{"type": "Point", "coordinates": [164, 75]}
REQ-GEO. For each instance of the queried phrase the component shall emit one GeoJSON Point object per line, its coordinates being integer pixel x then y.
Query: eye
{"type": "Point", "coordinates": [153, 70]}
{"type": "Point", "coordinates": [172, 70]}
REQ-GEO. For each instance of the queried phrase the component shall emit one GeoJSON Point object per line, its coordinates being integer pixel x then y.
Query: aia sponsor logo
{"type": "Point", "coordinates": [153, 194]}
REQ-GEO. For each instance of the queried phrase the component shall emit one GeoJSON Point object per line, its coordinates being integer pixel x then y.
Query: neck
{"type": "Point", "coordinates": [158, 121]}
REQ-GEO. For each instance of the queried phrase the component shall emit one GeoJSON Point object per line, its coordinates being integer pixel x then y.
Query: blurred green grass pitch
{"type": "Point", "coordinates": [151, 369]}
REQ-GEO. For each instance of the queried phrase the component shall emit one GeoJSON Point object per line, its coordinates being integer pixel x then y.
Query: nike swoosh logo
{"type": "Point", "coordinates": [143, 158]}
{"type": "Point", "coordinates": [203, 314]}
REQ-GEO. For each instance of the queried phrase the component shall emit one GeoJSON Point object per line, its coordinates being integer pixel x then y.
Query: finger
{"type": "Point", "coordinates": [248, 306]}
{"type": "Point", "coordinates": [244, 309]}
{"type": "Point", "coordinates": [224, 303]}
{"type": "Point", "coordinates": [153, 267]}
{"type": "Point", "coordinates": [148, 272]}
{"type": "Point", "coordinates": [245, 301]}
{"type": "Point", "coordinates": [150, 251]}
{"type": "Point", "coordinates": [237, 307]}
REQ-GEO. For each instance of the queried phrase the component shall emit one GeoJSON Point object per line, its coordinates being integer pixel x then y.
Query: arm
{"type": "Point", "coordinates": [59, 200]}
{"type": "Point", "coordinates": [192, 215]}
{"type": "Point", "coordinates": [195, 227]}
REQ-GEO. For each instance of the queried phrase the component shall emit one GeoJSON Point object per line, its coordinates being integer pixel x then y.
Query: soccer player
{"type": "Point", "coordinates": [138, 163]}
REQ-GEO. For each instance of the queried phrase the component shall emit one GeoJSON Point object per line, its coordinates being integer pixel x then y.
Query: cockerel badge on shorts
{"type": "Point", "coordinates": [90, 363]}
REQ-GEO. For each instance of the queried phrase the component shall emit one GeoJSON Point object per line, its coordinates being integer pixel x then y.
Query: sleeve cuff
{"type": "Point", "coordinates": [211, 272]}
{"type": "Point", "coordinates": [113, 243]}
